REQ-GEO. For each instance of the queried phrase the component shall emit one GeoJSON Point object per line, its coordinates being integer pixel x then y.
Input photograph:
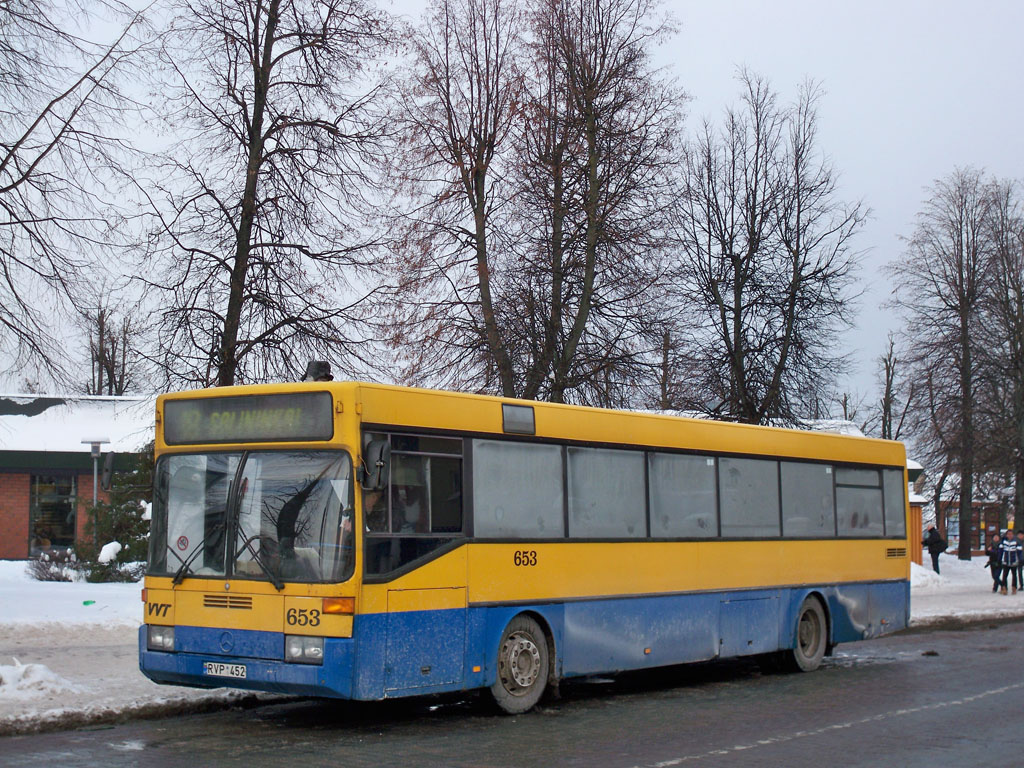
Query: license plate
{"type": "Point", "coordinates": [219, 669]}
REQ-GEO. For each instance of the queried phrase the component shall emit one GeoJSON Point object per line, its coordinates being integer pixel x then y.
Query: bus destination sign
{"type": "Point", "coordinates": [293, 417]}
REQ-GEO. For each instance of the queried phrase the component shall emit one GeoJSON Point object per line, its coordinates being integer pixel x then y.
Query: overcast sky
{"type": "Point", "coordinates": [912, 90]}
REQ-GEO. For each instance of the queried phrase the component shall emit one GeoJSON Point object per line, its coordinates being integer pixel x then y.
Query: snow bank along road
{"type": "Point", "coordinates": [68, 651]}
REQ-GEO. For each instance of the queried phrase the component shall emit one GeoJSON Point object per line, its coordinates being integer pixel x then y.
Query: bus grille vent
{"type": "Point", "coordinates": [896, 552]}
{"type": "Point", "coordinates": [227, 601]}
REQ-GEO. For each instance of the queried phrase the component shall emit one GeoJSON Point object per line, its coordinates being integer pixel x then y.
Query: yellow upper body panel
{"type": "Point", "coordinates": [358, 403]}
{"type": "Point", "coordinates": [484, 572]}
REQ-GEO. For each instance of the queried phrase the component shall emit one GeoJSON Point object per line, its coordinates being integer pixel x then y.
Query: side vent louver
{"type": "Point", "coordinates": [896, 552]}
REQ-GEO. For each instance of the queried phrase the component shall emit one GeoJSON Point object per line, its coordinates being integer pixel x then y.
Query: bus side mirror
{"type": "Point", "coordinates": [376, 465]}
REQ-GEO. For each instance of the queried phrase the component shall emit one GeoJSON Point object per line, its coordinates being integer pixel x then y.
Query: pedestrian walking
{"type": "Point", "coordinates": [936, 546]}
{"type": "Point", "coordinates": [1020, 558]}
{"type": "Point", "coordinates": [995, 554]}
{"type": "Point", "coordinates": [1011, 554]}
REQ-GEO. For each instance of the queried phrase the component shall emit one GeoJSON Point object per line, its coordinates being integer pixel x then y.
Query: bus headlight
{"type": "Point", "coordinates": [160, 638]}
{"type": "Point", "coordinates": [304, 650]}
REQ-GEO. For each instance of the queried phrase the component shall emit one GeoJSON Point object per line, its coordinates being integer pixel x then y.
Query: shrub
{"type": "Point", "coordinates": [113, 571]}
{"type": "Point", "coordinates": [55, 565]}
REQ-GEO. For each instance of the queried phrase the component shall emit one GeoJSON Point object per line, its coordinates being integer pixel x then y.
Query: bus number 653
{"type": "Point", "coordinates": [525, 557]}
{"type": "Point", "coordinates": [303, 617]}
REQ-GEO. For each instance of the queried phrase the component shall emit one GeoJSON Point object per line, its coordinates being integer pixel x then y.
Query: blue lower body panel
{"type": "Point", "coordinates": [332, 678]}
{"type": "Point", "coordinates": [417, 652]}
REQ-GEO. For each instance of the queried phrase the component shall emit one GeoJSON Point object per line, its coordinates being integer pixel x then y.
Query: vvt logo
{"type": "Point", "coordinates": [158, 609]}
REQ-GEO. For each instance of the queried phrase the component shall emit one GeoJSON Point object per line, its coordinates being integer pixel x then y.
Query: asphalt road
{"type": "Point", "coordinates": [936, 698]}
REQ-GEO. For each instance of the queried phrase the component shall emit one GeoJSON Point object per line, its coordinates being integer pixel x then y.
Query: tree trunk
{"type": "Point", "coordinates": [227, 363]}
{"type": "Point", "coordinates": [967, 442]}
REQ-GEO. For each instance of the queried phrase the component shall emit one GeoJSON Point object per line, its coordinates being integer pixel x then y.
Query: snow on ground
{"type": "Point", "coordinates": [69, 655]}
{"type": "Point", "coordinates": [26, 680]}
{"type": "Point", "coordinates": [961, 590]}
{"type": "Point", "coordinates": [69, 651]}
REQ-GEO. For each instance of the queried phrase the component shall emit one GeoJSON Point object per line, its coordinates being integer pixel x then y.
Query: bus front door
{"type": "Point", "coordinates": [426, 638]}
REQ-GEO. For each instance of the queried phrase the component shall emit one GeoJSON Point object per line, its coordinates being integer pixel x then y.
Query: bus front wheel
{"type": "Point", "coordinates": [522, 666]}
{"type": "Point", "coordinates": [811, 637]}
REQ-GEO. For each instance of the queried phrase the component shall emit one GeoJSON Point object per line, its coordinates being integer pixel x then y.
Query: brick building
{"type": "Point", "coordinates": [46, 472]}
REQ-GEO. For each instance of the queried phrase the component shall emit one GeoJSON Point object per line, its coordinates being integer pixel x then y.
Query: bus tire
{"type": "Point", "coordinates": [811, 637]}
{"type": "Point", "coordinates": [522, 668]}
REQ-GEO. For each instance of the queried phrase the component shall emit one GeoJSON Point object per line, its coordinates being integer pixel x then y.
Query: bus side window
{"type": "Point", "coordinates": [445, 495]}
{"type": "Point", "coordinates": [422, 507]}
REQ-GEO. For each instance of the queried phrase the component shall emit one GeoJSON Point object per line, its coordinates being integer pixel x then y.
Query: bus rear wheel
{"type": "Point", "coordinates": [811, 637]}
{"type": "Point", "coordinates": [522, 666]}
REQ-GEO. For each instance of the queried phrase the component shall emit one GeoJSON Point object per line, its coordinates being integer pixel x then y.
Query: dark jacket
{"type": "Point", "coordinates": [994, 552]}
{"type": "Point", "coordinates": [935, 542]}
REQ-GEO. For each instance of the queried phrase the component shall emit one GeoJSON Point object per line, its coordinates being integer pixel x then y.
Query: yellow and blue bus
{"type": "Point", "coordinates": [366, 541]}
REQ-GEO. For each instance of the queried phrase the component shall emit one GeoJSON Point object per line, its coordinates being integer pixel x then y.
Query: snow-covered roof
{"type": "Point", "coordinates": [60, 423]}
{"type": "Point", "coordinates": [839, 426]}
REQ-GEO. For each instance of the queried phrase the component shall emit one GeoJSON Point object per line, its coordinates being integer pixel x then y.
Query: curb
{"type": "Point", "coordinates": [955, 623]}
{"type": "Point", "coordinates": [108, 718]}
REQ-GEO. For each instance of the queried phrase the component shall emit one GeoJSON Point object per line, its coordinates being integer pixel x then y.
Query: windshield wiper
{"type": "Point", "coordinates": [179, 575]}
{"type": "Point", "coordinates": [256, 558]}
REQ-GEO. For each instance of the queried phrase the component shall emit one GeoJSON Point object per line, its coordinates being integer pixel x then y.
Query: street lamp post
{"type": "Point", "coordinates": [94, 443]}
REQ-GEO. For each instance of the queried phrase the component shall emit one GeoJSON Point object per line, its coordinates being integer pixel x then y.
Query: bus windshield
{"type": "Point", "coordinates": [270, 515]}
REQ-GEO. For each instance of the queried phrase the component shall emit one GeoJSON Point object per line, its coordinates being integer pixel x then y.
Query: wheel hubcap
{"type": "Point", "coordinates": [520, 665]}
{"type": "Point", "coordinates": [808, 633]}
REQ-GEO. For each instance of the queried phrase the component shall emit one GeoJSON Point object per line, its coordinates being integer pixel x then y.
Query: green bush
{"type": "Point", "coordinates": [120, 519]}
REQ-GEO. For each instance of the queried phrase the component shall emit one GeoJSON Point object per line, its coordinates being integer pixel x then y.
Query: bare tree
{"type": "Point", "coordinates": [532, 190]}
{"type": "Point", "coordinates": [940, 290]}
{"type": "Point", "coordinates": [599, 150]}
{"type": "Point", "coordinates": [255, 210]}
{"type": "Point", "coordinates": [62, 99]}
{"type": "Point", "coordinates": [455, 108]}
{"type": "Point", "coordinates": [766, 260]}
{"type": "Point", "coordinates": [114, 337]}
{"type": "Point", "coordinates": [1001, 335]}
{"type": "Point", "coordinates": [897, 393]}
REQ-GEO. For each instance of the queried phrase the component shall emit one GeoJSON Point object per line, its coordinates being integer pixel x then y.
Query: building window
{"type": "Point", "coordinates": [52, 509]}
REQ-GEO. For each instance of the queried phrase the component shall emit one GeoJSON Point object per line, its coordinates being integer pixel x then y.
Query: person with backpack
{"type": "Point", "coordinates": [936, 546]}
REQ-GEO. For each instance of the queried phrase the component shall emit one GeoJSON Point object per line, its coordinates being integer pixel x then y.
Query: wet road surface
{"type": "Point", "coordinates": [933, 698]}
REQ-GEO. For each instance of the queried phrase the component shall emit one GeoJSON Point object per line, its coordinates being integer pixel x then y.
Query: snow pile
{"type": "Point", "coordinates": [924, 578]}
{"type": "Point", "coordinates": [69, 656]}
{"type": "Point", "coordinates": [27, 680]}
{"type": "Point", "coordinates": [109, 552]}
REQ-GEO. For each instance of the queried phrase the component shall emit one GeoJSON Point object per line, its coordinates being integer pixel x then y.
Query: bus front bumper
{"type": "Point", "coordinates": [197, 668]}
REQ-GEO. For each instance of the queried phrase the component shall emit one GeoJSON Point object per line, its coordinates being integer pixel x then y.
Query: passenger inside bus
{"type": "Point", "coordinates": [409, 513]}
{"type": "Point", "coordinates": [375, 510]}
